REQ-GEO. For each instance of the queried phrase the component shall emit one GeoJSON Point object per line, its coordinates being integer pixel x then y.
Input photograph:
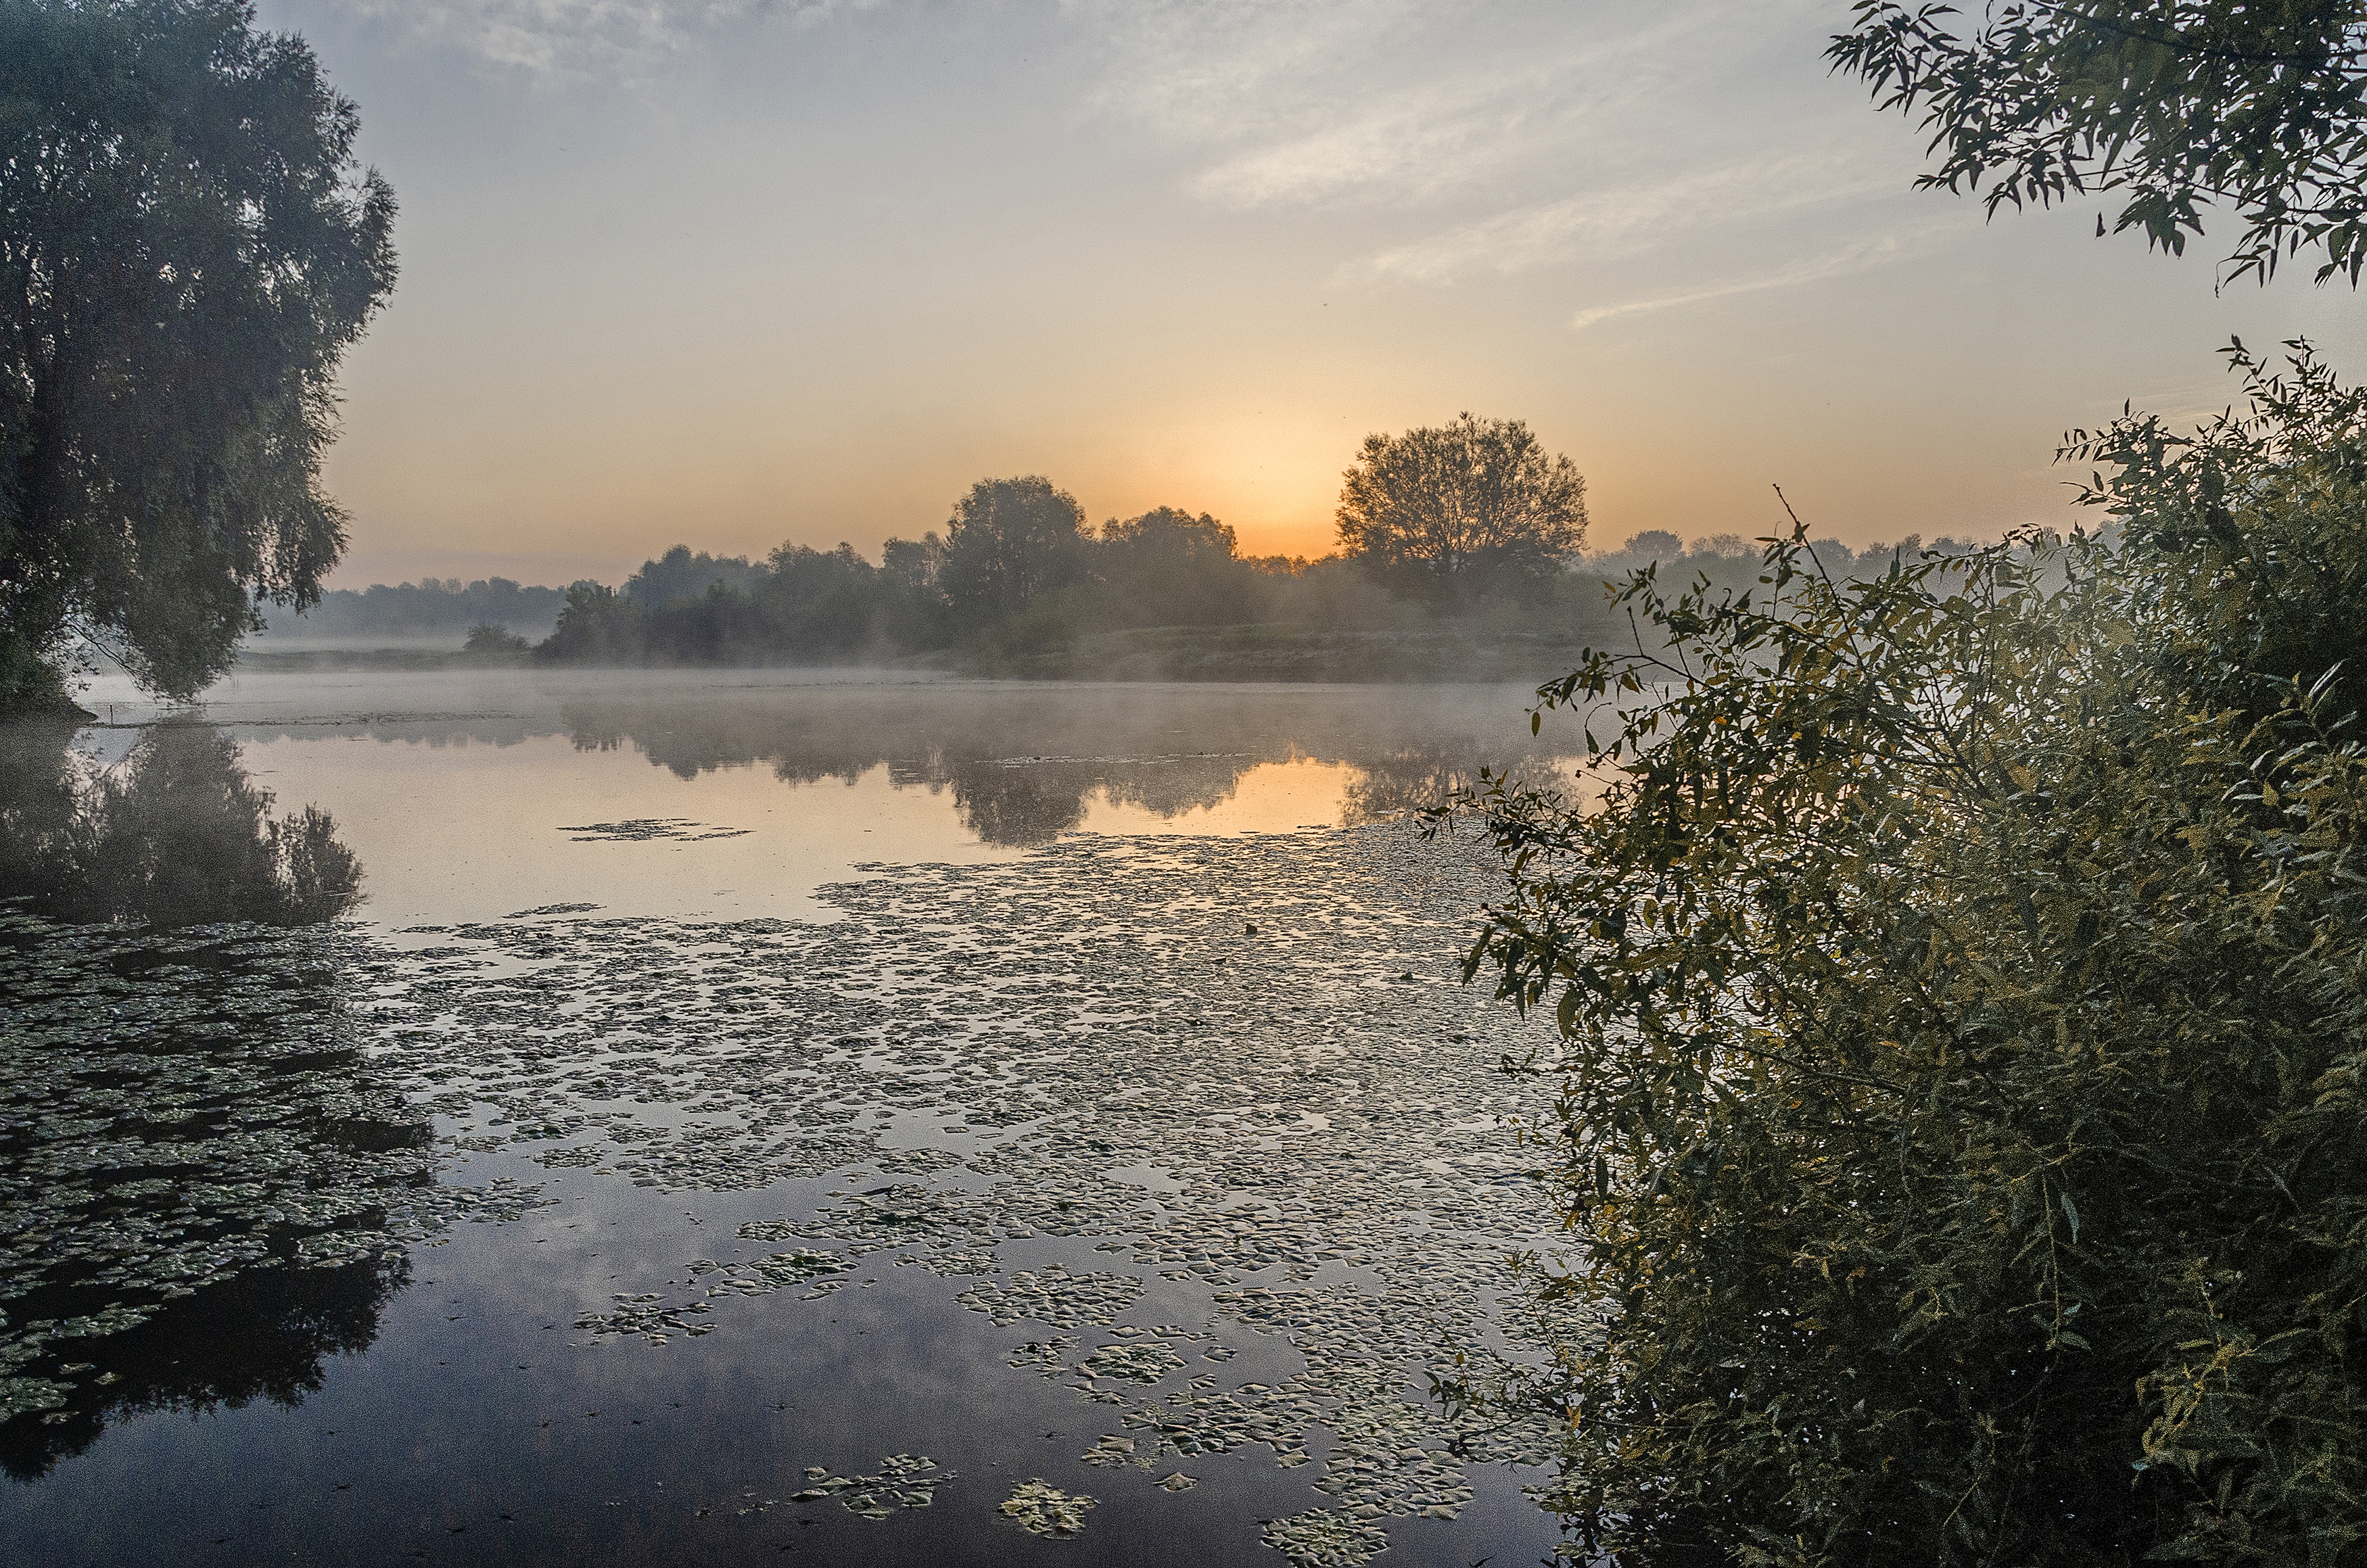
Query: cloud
{"type": "Point", "coordinates": [1634, 216]}
{"type": "Point", "coordinates": [1505, 137]}
{"type": "Point", "coordinates": [1866, 255]}
{"type": "Point", "coordinates": [1392, 103]}
{"type": "Point", "coordinates": [584, 36]}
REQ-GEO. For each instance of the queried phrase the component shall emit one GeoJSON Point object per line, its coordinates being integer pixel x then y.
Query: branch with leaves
{"type": "Point", "coordinates": [2178, 106]}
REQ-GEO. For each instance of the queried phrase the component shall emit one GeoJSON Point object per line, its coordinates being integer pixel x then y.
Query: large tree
{"type": "Point", "coordinates": [1479, 501]}
{"type": "Point", "coordinates": [2178, 104]}
{"type": "Point", "coordinates": [1007, 542]}
{"type": "Point", "coordinates": [187, 247]}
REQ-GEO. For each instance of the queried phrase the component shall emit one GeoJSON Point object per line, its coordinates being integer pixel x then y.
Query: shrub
{"type": "Point", "coordinates": [1960, 974]}
{"type": "Point", "coordinates": [488, 640]}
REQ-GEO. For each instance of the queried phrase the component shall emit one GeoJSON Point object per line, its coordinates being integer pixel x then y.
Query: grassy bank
{"type": "Point", "coordinates": [1269, 652]}
{"type": "Point", "coordinates": [1273, 652]}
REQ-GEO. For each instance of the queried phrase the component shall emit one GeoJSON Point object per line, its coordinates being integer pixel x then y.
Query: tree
{"type": "Point", "coordinates": [2180, 104]}
{"type": "Point", "coordinates": [912, 598]}
{"type": "Point", "coordinates": [1168, 568]}
{"type": "Point", "coordinates": [597, 626]}
{"type": "Point", "coordinates": [1007, 542]}
{"type": "Point", "coordinates": [679, 575]}
{"type": "Point", "coordinates": [824, 603]}
{"type": "Point", "coordinates": [1962, 977]}
{"type": "Point", "coordinates": [489, 641]}
{"type": "Point", "coordinates": [1476, 502]}
{"type": "Point", "coordinates": [1652, 543]}
{"type": "Point", "coordinates": [186, 250]}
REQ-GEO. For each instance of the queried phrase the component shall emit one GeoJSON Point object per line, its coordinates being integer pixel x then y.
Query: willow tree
{"type": "Point", "coordinates": [187, 248]}
{"type": "Point", "coordinates": [1962, 977]}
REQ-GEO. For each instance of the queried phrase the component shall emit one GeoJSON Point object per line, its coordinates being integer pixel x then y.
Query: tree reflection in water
{"type": "Point", "coordinates": [1024, 764]}
{"type": "Point", "coordinates": [1407, 783]}
{"type": "Point", "coordinates": [198, 1170]}
{"type": "Point", "coordinates": [174, 835]}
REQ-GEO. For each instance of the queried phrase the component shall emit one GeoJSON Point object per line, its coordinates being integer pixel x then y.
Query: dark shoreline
{"type": "Point", "coordinates": [1449, 655]}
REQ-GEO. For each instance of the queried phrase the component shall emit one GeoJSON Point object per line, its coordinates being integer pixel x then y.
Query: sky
{"type": "Point", "coordinates": [745, 273]}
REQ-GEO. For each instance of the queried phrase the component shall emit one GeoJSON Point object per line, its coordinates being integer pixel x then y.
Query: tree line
{"type": "Point", "coordinates": [1166, 567]}
{"type": "Point", "coordinates": [430, 607]}
{"type": "Point", "coordinates": [1457, 519]}
{"type": "Point", "coordinates": [1470, 520]}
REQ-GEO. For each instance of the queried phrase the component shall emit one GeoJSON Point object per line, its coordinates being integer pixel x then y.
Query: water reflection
{"type": "Point", "coordinates": [1405, 784]}
{"type": "Point", "coordinates": [203, 1178]}
{"type": "Point", "coordinates": [206, 1187]}
{"type": "Point", "coordinates": [196, 1167]}
{"type": "Point", "coordinates": [1023, 767]}
{"type": "Point", "coordinates": [262, 1335]}
{"type": "Point", "coordinates": [175, 834]}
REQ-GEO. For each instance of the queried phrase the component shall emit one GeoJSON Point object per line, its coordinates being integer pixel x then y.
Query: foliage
{"type": "Point", "coordinates": [1959, 973]}
{"type": "Point", "coordinates": [818, 604]}
{"type": "Point", "coordinates": [187, 250]}
{"type": "Point", "coordinates": [678, 576]}
{"type": "Point", "coordinates": [1476, 500]}
{"type": "Point", "coordinates": [488, 640]}
{"type": "Point", "coordinates": [1008, 542]}
{"type": "Point", "coordinates": [1168, 568]}
{"type": "Point", "coordinates": [596, 625]}
{"type": "Point", "coordinates": [2180, 104]}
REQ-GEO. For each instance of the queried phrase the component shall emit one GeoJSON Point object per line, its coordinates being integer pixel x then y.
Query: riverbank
{"type": "Point", "coordinates": [1446, 653]}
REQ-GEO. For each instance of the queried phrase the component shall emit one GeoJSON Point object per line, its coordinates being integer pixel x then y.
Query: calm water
{"type": "Point", "coordinates": [867, 1121]}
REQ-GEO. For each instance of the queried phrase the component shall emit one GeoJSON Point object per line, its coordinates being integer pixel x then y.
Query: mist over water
{"type": "Point", "coordinates": [719, 795]}
{"type": "Point", "coordinates": [651, 1117]}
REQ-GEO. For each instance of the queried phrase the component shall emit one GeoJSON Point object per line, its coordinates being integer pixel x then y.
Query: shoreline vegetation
{"type": "Point", "coordinates": [1331, 620]}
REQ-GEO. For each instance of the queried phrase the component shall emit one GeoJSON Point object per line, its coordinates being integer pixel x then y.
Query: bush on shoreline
{"type": "Point", "coordinates": [1963, 984]}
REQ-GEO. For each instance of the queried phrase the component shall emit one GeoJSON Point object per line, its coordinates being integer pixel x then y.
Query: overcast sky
{"type": "Point", "coordinates": [733, 273]}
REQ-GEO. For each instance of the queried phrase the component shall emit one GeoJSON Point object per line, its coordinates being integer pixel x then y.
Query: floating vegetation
{"type": "Point", "coordinates": [971, 1056]}
{"type": "Point", "coordinates": [905, 1481]}
{"type": "Point", "coordinates": [189, 1128]}
{"type": "Point", "coordinates": [641, 831]}
{"type": "Point", "coordinates": [1042, 1509]}
{"type": "Point", "coordinates": [1066, 1025]}
{"type": "Point", "coordinates": [765, 1275]}
{"type": "Point", "coordinates": [1133, 1363]}
{"type": "Point", "coordinates": [1111, 1451]}
{"type": "Point", "coordinates": [647, 1315]}
{"type": "Point", "coordinates": [1055, 1297]}
{"type": "Point", "coordinates": [1049, 1356]}
{"type": "Point", "coordinates": [1322, 1539]}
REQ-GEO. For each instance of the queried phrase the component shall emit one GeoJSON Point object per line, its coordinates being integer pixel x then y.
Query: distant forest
{"type": "Point", "coordinates": [1017, 578]}
{"type": "Point", "coordinates": [430, 607]}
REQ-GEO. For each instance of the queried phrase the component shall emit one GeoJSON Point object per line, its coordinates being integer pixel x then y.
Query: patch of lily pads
{"type": "Point", "coordinates": [905, 1481]}
{"type": "Point", "coordinates": [1322, 1539]}
{"type": "Point", "coordinates": [1339, 1170]}
{"type": "Point", "coordinates": [1040, 1508]}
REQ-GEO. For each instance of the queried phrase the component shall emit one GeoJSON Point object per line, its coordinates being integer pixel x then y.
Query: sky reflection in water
{"type": "Point", "coordinates": [755, 1191]}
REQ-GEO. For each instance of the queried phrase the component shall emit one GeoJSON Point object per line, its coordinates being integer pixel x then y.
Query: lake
{"type": "Point", "coordinates": [858, 1118]}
